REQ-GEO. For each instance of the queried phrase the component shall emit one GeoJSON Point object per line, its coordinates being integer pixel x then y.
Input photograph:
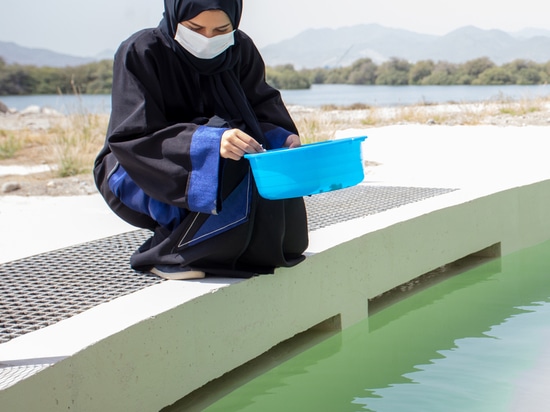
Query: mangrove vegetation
{"type": "Point", "coordinates": [97, 77]}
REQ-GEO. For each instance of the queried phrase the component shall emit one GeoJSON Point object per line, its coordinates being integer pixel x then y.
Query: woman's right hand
{"type": "Point", "coordinates": [235, 143]}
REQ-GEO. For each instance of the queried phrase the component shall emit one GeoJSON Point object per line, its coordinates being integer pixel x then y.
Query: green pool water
{"type": "Point", "coordinates": [477, 341]}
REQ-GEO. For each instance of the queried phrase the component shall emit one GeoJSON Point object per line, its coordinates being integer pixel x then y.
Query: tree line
{"type": "Point", "coordinates": [399, 72]}
{"type": "Point", "coordinates": [97, 77]}
{"type": "Point", "coordinates": [92, 78]}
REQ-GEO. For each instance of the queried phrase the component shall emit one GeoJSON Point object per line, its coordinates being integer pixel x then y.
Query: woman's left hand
{"type": "Point", "coordinates": [292, 141]}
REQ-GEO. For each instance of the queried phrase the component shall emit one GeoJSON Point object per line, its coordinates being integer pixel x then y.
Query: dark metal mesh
{"type": "Point", "coordinates": [41, 290]}
{"type": "Point", "coordinates": [44, 289]}
{"type": "Point", "coordinates": [326, 209]}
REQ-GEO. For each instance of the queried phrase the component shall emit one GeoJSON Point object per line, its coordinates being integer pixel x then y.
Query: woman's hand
{"type": "Point", "coordinates": [235, 143]}
{"type": "Point", "coordinates": [292, 141]}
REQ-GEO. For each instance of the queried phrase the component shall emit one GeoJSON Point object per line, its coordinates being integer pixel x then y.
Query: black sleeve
{"type": "Point", "coordinates": [153, 146]}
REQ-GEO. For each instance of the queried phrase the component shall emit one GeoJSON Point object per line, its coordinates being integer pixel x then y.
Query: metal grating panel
{"type": "Point", "coordinates": [41, 290]}
{"type": "Point", "coordinates": [44, 289]}
{"type": "Point", "coordinates": [329, 208]}
{"type": "Point", "coordinates": [11, 374]}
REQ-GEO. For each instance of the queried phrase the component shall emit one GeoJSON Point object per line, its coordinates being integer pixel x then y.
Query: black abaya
{"type": "Point", "coordinates": [161, 155]}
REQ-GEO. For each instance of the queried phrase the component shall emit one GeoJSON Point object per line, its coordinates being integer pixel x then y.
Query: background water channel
{"type": "Point", "coordinates": [477, 341]}
{"type": "Point", "coordinates": [319, 95]}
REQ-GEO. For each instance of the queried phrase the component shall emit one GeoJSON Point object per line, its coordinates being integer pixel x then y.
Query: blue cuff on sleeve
{"type": "Point", "coordinates": [277, 137]}
{"type": "Point", "coordinates": [202, 192]}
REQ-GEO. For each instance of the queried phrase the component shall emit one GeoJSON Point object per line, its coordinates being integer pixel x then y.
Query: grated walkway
{"type": "Point", "coordinates": [44, 289]}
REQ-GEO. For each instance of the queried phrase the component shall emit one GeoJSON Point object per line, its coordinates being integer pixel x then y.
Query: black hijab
{"type": "Point", "coordinates": [177, 11]}
{"type": "Point", "coordinates": [228, 95]}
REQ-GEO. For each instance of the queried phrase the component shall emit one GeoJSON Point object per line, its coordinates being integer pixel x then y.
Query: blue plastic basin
{"type": "Point", "coordinates": [309, 169]}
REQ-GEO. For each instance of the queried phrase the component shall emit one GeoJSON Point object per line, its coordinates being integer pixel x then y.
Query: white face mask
{"type": "Point", "coordinates": [201, 46]}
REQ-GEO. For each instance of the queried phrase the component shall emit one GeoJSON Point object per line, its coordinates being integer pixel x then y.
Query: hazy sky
{"type": "Point", "coordinates": [86, 28]}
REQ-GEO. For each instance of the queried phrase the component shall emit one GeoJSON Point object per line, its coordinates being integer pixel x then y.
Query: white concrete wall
{"type": "Point", "coordinates": [145, 351]}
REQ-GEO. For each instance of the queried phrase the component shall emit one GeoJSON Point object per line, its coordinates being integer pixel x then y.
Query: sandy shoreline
{"type": "Point", "coordinates": [535, 112]}
{"type": "Point", "coordinates": [32, 175]}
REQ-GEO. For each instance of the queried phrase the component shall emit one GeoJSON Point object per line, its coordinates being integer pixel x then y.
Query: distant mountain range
{"type": "Point", "coordinates": [13, 53]}
{"type": "Point", "coordinates": [341, 47]}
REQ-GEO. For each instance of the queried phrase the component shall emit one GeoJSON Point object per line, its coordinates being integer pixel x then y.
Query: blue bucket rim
{"type": "Point", "coordinates": [306, 146]}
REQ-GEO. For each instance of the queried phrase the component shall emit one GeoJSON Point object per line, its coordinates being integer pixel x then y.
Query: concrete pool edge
{"type": "Point", "coordinates": [157, 358]}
